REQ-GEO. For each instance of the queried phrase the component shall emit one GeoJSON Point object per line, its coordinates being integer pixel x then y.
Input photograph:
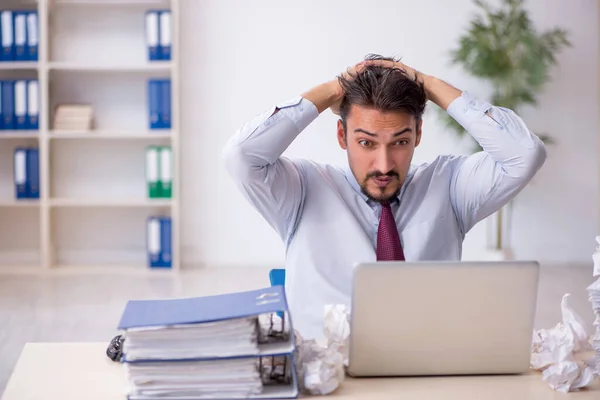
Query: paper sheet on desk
{"type": "Point", "coordinates": [564, 353]}
{"type": "Point", "coordinates": [321, 366]}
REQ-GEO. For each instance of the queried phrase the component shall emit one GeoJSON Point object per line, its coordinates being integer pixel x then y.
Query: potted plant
{"type": "Point", "coordinates": [502, 47]}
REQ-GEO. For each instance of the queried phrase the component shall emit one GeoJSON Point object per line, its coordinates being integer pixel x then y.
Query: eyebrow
{"type": "Point", "coordinates": [402, 132]}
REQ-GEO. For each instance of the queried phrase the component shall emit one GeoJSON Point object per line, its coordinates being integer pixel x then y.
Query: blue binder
{"type": "Point", "coordinates": [159, 242]}
{"type": "Point", "coordinates": [152, 26]}
{"type": "Point", "coordinates": [33, 104]}
{"type": "Point", "coordinates": [33, 173]}
{"type": "Point", "coordinates": [20, 173]}
{"type": "Point", "coordinates": [8, 36]}
{"type": "Point", "coordinates": [20, 39]}
{"type": "Point", "coordinates": [20, 97]}
{"type": "Point", "coordinates": [165, 41]}
{"type": "Point", "coordinates": [32, 36]}
{"type": "Point", "coordinates": [1, 104]}
{"type": "Point", "coordinates": [205, 309]}
{"type": "Point", "coordinates": [165, 104]}
{"type": "Point", "coordinates": [154, 103]}
{"type": "Point", "coordinates": [164, 321]}
{"type": "Point", "coordinates": [8, 104]}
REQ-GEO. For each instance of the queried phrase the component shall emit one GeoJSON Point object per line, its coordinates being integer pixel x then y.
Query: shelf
{"type": "Point", "coordinates": [22, 65]}
{"type": "Point", "coordinates": [93, 211]}
{"type": "Point", "coordinates": [98, 67]}
{"type": "Point", "coordinates": [109, 134]}
{"type": "Point", "coordinates": [124, 3]}
{"type": "Point", "coordinates": [19, 134]}
{"type": "Point", "coordinates": [19, 203]}
{"type": "Point", "coordinates": [82, 202]}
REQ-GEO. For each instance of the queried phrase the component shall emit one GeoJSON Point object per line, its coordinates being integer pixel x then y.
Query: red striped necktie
{"type": "Point", "coordinates": [389, 247]}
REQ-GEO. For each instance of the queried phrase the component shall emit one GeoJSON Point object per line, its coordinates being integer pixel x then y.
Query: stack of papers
{"type": "Point", "coordinates": [594, 296]}
{"type": "Point", "coordinates": [73, 117]}
{"type": "Point", "coordinates": [594, 292]}
{"type": "Point", "coordinates": [227, 346]}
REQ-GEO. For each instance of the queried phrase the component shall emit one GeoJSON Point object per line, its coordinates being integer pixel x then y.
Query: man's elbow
{"type": "Point", "coordinates": [237, 162]}
{"type": "Point", "coordinates": [535, 158]}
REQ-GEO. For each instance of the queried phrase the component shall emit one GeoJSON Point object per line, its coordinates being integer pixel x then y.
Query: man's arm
{"type": "Point", "coordinates": [511, 156]}
{"type": "Point", "coordinates": [273, 184]}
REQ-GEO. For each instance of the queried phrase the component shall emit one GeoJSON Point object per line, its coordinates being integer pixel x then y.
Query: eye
{"type": "Point", "coordinates": [402, 142]}
{"type": "Point", "coordinates": [364, 143]}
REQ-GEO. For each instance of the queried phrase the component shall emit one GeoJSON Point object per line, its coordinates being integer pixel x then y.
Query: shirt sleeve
{"type": "Point", "coordinates": [484, 182]}
{"type": "Point", "coordinates": [274, 185]}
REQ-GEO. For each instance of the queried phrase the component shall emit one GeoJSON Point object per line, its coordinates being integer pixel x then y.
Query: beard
{"type": "Point", "coordinates": [380, 194]}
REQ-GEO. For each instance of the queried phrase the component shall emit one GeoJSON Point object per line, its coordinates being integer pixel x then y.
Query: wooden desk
{"type": "Point", "coordinates": [75, 371]}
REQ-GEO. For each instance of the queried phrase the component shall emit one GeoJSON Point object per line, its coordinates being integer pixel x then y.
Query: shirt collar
{"type": "Point", "coordinates": [354, 183]}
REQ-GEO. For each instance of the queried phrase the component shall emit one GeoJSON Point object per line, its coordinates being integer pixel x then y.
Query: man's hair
{"type": "Point", "coordinates": [384, 89]}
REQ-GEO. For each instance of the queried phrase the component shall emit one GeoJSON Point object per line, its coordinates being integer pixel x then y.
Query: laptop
{"type": "Point", "coordinates": [442, 318]}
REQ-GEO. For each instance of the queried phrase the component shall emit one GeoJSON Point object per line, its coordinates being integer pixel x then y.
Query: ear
{"type": "Point", "coordinates": [341, 135]}
{"type": "Point", "coordinates": [419, 130]}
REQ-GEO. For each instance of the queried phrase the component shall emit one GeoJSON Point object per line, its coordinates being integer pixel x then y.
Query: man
{"type": "Point", "coordinates": [380, 207]}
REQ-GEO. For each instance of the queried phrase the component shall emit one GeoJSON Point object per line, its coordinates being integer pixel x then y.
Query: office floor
{"type": "Point", "coordinates": [76, 307]}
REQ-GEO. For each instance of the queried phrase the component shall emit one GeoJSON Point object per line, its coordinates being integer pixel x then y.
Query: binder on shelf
{"type": "Point", "coordinates": [20, 173]}
{"type": "Point", "coordinates": [8, 33]}
{"type": "Point", "coordinates": [33, 104]}
{"type": "Point", "coordinates": [152, 171]}
{"type": "Point", "coordinates": [224, 346]}
{"type": "Point", "coordinates": [152, 35]}
{"type": "Point", "coordinates": [159, 237]}
{"type": "Point", "coordinates": [8, 104]}
{"type": "Point", "coordinates": [20, 122]}
{"type": "Point", "coordinates": [26, 173]}
{"type": "Point", "coordinates": [165, 179]}
{"type": "Point", "coordinates": [20, 39]}
{"type": "Point", "coordinates": [165, 104]}
{"type": "Point", "coordinates": [32, 36]}
{"type": "Point", "coordinates": [154, 103]}
{"type": "Point", "coordinates": [1, 104]}
{"type": "Point", "coordinates": [165, 35]}
{"type": "Point", "coordinates": [33, 173]}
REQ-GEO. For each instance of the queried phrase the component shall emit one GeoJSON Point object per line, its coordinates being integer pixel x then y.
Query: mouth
{"type": "Point", "coordinates": [382, 181]}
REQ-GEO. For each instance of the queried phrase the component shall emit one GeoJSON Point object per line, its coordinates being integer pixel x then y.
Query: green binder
{"type": "Point", "coordinates": [152, 171]}
{"type": "Point", "coordinates": [166, 172]}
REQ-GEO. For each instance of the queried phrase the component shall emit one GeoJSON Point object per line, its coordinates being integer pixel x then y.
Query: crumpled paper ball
{"type": "Point", "coordinates": [564, 353]}
{"type": "Point", "coordinates": [321, 366]}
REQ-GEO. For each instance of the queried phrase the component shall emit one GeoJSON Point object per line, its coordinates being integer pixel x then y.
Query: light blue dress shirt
{"type": "Point", "coordinates": [328, 225]}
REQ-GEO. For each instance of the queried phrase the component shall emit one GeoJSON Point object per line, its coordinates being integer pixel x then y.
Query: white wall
{"type": "Point", "coordinates": [239, 57]}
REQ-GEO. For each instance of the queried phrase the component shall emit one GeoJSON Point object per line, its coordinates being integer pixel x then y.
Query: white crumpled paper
{"type": "Point", "coordinates": [321, 366]}
{"type": "Point", "coordinates": [564, 353]}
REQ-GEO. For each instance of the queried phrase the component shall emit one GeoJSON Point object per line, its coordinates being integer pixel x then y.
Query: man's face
{"type": "Point", "coordinates": [380, 148]}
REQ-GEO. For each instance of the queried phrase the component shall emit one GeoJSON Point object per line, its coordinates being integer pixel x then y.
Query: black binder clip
{"type": "Point", "coordinates": [115, 348]}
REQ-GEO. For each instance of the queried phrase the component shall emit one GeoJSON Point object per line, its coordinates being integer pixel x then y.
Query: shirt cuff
{"type": "Point", "coordinates": [467, 107]}
{"type": "Point", "coordinates": [299, 110]}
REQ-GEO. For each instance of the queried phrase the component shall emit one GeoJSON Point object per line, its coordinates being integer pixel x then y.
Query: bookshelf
{"type": "Point", "coordinates": [91, 214]}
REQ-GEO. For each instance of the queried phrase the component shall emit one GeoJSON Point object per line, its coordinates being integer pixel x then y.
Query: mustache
{"type": "Point", "coordinates": [377, 174]}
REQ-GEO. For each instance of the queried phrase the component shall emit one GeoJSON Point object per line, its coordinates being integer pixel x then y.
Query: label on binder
{"type": "Point", "coordinates": [152, 172]}
{"type": "Point", "coordinates": [153, 238]}
{"type": "Point", "coordinates": [33, 104]}
{"type": "Point", "coordinates": [20, 22]}
{"type": "Point", "coordinates": [32, 36]}
{"type": "Point", "coordinates": [20, 173]}
{"type": "Point", "coordinates": [152, 31]}
{"type": "Point", "coordinates": [6, 22]}
{"type": "Point", "coordinates": [165, 35]}
{"type": "Point", "coordinates": [21, 104]}
{"type": "Point", "coordinates": [166, 173]}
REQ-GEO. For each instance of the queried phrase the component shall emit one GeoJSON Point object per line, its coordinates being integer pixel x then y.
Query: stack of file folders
{"type": "Point", "coordinates": [225, 346]}
{"type": "Point", "coordinates": [73, 117]}
{"type": "Point", "coordinates": [594, 296]}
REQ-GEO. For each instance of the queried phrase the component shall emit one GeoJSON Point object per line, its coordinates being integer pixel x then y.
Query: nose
{"type": "Point", "coordinates": [383, 161]}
